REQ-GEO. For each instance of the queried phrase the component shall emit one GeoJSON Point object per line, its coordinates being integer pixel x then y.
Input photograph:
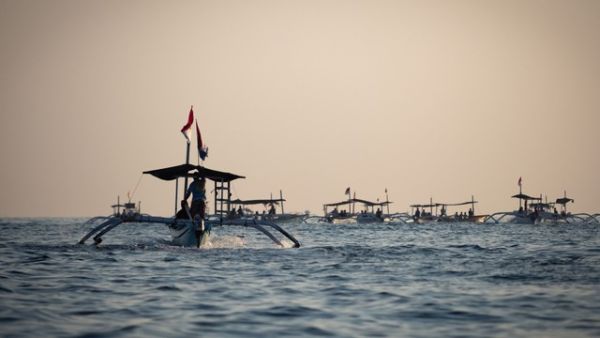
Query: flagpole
{"type": "Point", "coordinates": [187, 161]}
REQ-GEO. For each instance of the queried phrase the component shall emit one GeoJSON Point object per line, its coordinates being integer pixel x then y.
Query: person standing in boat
{"type": "Point", "coordinates": [196, 189]}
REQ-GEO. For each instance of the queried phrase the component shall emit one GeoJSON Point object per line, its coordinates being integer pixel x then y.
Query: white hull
{"type": "Point", "coordinates": [184, 234]}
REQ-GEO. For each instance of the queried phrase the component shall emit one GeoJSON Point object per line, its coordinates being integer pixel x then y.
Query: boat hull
{"type": "Point", "coordinates": [184, 234]}
{"type": "Point", "coordinates": [368, 218]}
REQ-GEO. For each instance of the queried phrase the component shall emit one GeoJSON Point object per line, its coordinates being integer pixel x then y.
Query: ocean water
{"type": "Point", "coordinates": [438, 280]}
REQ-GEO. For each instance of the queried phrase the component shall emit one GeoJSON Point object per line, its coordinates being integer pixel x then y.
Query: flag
{"type": "Point", "coordinates": [202, 150]}
{"type": "Point", "coordinates": [347, 191]}
{"type": "Point", "coordinates": [186, 129]}
{"type": "Point", "coordinates": [520, 181]}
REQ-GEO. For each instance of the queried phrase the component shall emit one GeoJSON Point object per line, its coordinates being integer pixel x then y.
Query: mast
{"type": "Point", "coordinates": [281, 198]}
{"type": "Point", "coordinates": [387, 200]}
{"type": "Point", "coordinates": [431, 206]}
{"type": "Point", "coordinates": [520, 193]}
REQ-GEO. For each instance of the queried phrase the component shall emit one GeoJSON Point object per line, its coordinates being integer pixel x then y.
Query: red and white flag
{"type": "Point", "coordinates": [347, 191]}
{"type": "Point", "coordinates": [186, 129]}
{"type": "Point", "coordinates": [520, 182]}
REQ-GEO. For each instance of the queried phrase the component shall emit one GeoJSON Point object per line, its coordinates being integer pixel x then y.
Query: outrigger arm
{"type": "Point", "coordinates": [112, 222]}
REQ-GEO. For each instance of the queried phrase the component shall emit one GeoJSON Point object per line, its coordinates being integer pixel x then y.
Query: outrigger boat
{"type": "Point", "coordinates": [189, 232]}
{"type": "Point", "coordinates": [372, 215]}
{"type": "Point", "coordinates": [441, 214]}
{"type": "Point", "coordinates": [241, 210]}
{"type": "Point", "coordinates": [421, 216]}
{"type": "Point", "coordinates": [186, 230]}
{"type": "Point", "coordinates": [537, 212]}
{"type": "Point", "coordinates": [345, 215]}
{"type": "Point", "coordinates": [468, 216]}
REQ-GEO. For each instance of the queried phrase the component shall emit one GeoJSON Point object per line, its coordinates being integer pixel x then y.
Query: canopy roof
{"type": "Point", "coordinates": [526, 197]}
{"type": "Point", "coordinates": [122, 205]}
{"type": "Point", "coordinates": [423, 205]}
{"type": "Point", "coordinates": [190, 170]}
{"type": "Point", "coordinates": [251, 202]}
{"type": "Point", "coordinates": [356, 200]}
{"type": "Point", "coordinates": [455, 204]}
{"type": "Point", "coordinates": [369, 203]}
{"type": "Point", "coordinates": [564, 200]}
{"type": "Point", "coordinates": [337, 204]}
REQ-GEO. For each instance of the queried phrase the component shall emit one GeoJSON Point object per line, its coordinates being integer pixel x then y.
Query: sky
{"type": "Point", "coordinates": [427, 99]}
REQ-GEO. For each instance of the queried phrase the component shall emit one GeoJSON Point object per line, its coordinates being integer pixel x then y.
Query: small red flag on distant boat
{"type": "Point", "coordinates": [520, 181]}
{"type": "Point", "coordinates": [202, 150]}
{"type": "Point", "coordinates": [186, 129]}
{"type": "Point", "coordinates": [347, 191]}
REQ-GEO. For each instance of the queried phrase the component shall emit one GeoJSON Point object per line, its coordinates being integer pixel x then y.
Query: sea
{"type": "Point", "coordinates": [347, 280]}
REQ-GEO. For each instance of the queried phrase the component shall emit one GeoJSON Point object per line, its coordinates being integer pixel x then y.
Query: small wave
{"type": "Point", "coordinates": [168, 288]}
{"type": "Point", "coordinates": [219, 242]}
{"type": "Point", "coordinates": [5, 290]}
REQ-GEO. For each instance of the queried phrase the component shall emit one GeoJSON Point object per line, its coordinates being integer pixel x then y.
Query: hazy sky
{"type": "Point", "coordinates": [442, 99]}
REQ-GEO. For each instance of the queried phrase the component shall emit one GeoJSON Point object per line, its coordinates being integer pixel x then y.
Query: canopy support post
{"type": "Point", "coordinates": [176, 194]}
{"type": "Point", "coordinates": [187, 161]}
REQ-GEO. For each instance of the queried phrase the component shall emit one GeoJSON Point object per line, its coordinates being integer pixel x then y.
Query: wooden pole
{"type": "Point", "coordinates": [387, 200]}
{"type": "Point", "coordinates": [281, 197]}
{"type": "Point", "coordinates": [187, 161]}
{"type": "Point", "coordinates": [176, 193]}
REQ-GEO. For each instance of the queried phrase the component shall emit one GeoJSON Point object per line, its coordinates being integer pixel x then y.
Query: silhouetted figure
{"type": "Point", "coordinates": [196, 189]}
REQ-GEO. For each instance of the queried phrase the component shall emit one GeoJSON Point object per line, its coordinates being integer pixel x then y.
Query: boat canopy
{"type": "Point", "coordinates": [455, 204]}
{"type": "Point", "coordinates": [190, 170]}
{"type": "Point", "coordinates": [337, 204]}
{"type": "Point", "coordinates": [253, 202]}
{"type": "Point", "coordinates": [369, 203]}
{"type": "Point", "coordinates": [564, 200]}
{"type": "Point", "coordinates": [423, 205]}
{"type": "Point", "coordinates": [526, 197]}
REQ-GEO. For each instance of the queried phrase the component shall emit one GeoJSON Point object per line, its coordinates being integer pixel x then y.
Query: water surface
{"type": "Point", "coordinates": [376, 280]}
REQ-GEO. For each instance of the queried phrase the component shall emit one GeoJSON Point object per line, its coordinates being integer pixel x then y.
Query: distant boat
{"type": "Point", "coordinates": [533, 211]}
{"type": "Point", "coordinates": [241, 209]}
{"type": "Point", "coordinates": [371, 215]}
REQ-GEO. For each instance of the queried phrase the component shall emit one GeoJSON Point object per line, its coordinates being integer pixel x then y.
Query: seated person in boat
{"type": "Point", "coordinates": [272, 210]}
{"type": "Point", "coordinates": [196, 189]}
{"type": "Point", "coordinates": [182, 213]}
